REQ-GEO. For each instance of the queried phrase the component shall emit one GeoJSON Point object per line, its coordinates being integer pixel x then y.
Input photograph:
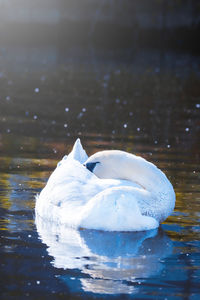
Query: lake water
{"type": "Point", "coordinates": [146, 102]}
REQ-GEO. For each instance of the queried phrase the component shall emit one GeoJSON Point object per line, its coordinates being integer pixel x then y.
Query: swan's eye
{"type": "Point", "coordinates": [91, 166]}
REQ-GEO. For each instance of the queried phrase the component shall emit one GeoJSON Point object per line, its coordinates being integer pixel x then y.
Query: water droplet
{"type": "Point", "coordinates": [10, 82]}
{"type": "Point", "coordinates": [37, 90]}
{"type": "Point", "coordinates": [66, 109]}
{"type": "Point", "coordinates": [151, 111]}
{"type": "Point", "coordinates": [105, 85]}
{"type": "Point", "coordinates": [106, 77]}
{"type": "Point", "coordinates": [80, 115]}
{"type": "Point", "coordinates": [43, 78]}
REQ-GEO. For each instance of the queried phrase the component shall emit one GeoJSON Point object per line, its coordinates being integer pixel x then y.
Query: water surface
{"type": "Point", "coordinates": [145, 101]}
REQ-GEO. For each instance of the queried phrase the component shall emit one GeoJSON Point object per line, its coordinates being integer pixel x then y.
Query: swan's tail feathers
{"type": "Point", "coordinates": [78, 153]}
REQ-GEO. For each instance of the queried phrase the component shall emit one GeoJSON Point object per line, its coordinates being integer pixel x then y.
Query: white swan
{"type": "Point", "coordinates": [111, 190]}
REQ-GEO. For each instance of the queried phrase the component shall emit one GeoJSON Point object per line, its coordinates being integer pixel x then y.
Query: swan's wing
{"type": "Point", "coordinates": [68, 189]}
{"type": "Point", "coordinates": [117, 209]}
{"type": "Point", "coordinates": [77, 153]}
{"type": "Point", "coordinates": [66, 183]}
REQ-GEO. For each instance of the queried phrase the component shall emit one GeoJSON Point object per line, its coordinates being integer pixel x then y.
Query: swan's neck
{"type": "Point", "coordinates": [144, 173]}
{"type": "Point", "coordinates": [152, 179]}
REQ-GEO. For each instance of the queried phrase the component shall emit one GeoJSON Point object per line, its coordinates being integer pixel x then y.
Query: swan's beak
{"type": "Point", "coordinates": [91, 166]}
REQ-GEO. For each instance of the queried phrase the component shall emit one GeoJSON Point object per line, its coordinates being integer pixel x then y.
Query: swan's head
{"type": "Point", "coordinates": [106, 164]}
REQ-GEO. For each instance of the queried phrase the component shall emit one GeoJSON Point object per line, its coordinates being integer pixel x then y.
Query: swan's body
{"type": "Point", "coordinates": [123, 192]}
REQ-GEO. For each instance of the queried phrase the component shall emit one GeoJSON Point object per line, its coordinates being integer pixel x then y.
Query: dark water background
{"type": "Point", "coordinates": [119, 75]}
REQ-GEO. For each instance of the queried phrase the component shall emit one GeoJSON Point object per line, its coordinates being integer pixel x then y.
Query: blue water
{"type": "Point", "coordinates": [143, 98]}
{"type": "Point", "coordinates": [39, 259]}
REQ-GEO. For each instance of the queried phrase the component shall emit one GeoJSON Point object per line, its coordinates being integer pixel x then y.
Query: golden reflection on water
{"type": "Point", "coordinates": [19, 177]}
{"type": "Point", "coordinates": [5, 187]}
{"type": "Point", "coordinates": [4, 224]}
{"type": "Point", "coordinates": [5, 202]}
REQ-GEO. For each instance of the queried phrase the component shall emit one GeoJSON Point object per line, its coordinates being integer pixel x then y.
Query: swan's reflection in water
{"type": "Point", "coordinates": [110, 262]}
